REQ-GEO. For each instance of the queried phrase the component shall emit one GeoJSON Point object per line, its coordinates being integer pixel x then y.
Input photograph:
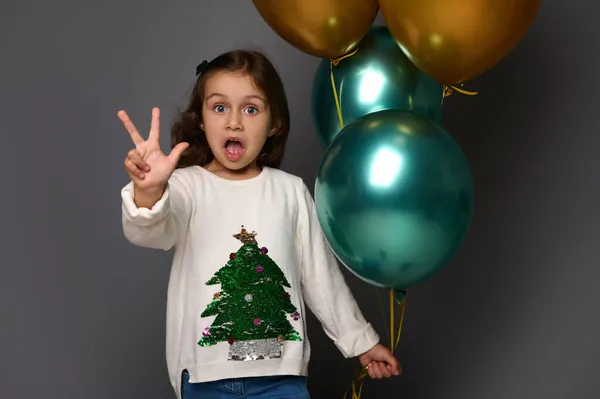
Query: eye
{"type": "Point", "coordinates": [220, 108]}
{"type": "Point", "coordinates": [251, 110]}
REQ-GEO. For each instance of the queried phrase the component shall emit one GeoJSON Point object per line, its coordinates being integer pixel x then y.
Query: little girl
{"type": "Point", "coordinates": [248, 248]}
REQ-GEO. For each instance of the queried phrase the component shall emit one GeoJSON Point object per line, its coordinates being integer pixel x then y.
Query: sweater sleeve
{"type": "Point", "coordinates": [324, 287]}
{"type": "Point", "coordinates": [163, 225]}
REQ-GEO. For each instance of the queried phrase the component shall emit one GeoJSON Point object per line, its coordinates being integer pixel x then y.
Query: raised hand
{"type": "Point", "coordinates": [147, 166]}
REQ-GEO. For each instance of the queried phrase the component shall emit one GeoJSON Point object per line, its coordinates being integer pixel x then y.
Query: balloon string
{"type": "Point", "coordinates": [401, 304]}
{"type": "Point", "coordinates": [335, 96]}
{"type": "Point", "coordinates": [356, 385]}
{"type": "Point", "coordinates": [449, 89]}
{"type": "Point", "coordinates": [385, 324]}
{"type": "Point", "coordinates": [392, 324]}
{"type": "Point", "coordinates": [336, 61]}
{"type": "Point", "coordinates": [333, 63]}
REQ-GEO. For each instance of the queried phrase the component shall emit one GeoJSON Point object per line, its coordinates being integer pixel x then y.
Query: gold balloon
{"type": "Point", "coordinates": [457, 40]}
{"type": "Point", "coordinates": [322, 28]}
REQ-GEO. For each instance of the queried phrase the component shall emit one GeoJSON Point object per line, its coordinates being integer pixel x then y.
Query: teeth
{"type": "Point", "coordinates": [233, 149]}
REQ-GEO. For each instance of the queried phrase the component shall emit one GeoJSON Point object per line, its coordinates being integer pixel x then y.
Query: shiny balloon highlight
{"type": "Point", "coordinates": [377, 76]}
{"type": "Point", "coordinates": [322, 28]}
{"type": "Point", "coordinates": [457, 40]}
{"type": "Point", "coordinates": [394, 197]}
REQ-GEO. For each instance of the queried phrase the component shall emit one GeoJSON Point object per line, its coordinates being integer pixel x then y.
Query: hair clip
{"type": "Point", "coordinates": [201, 67]}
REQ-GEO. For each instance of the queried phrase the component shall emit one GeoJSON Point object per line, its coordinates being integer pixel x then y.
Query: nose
{"type": "Point", "coordinates": [234, 121]}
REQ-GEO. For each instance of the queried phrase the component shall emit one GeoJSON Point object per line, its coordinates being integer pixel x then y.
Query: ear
{"type": "Point", "coordinates": [273, 131]}
{"type": "Point", "coordinates": [201, 125]}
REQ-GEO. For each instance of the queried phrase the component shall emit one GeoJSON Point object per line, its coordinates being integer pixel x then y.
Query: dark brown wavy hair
{"type": "Point", "coordinates": [186, 127]}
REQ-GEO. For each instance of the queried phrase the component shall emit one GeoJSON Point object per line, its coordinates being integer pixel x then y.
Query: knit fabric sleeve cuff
{"type": "Point", "coordinates": [144, 216]}
{"type": "Point", "coordinates": [355, 343]}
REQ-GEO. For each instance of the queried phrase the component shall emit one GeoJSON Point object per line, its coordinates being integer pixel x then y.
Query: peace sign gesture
{"type": "Point", "coordinates": [147, 166]}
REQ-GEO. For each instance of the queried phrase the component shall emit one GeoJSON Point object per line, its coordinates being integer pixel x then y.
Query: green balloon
{"type": "Point", "coordinates": [378, 76]}
{"type": "Point", "coordinates": [394, 197]}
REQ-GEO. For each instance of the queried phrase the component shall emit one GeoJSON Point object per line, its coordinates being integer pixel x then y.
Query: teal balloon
{"type": "Point", "coordinates": [377, 77]}
{"type": "Point", "coordinates": [394, 197]}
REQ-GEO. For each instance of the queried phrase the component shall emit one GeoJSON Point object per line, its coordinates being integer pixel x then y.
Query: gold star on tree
{"type": "Point", "coordinates": [245, 237]}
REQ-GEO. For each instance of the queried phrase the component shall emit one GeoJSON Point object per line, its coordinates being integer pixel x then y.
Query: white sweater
{"type": "Point", "coordinates": [255, 324]}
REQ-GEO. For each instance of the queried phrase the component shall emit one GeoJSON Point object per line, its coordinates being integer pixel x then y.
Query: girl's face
{"type": "Point", "coordinates": [237, 122]}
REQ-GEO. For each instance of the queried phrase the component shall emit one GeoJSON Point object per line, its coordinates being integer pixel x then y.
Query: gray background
{"type": "Point", "coordinates": [82, 311]}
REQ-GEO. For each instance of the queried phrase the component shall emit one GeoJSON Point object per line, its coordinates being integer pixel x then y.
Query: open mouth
{"type": "Point", "coordinates": [234, 148]}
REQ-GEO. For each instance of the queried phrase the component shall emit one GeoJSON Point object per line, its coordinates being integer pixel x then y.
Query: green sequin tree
{"type": "Point", "coordinates": [252, 304]}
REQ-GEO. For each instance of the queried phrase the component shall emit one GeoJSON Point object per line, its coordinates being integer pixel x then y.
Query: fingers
{"type": "Point", "coordinates": [380, 370]}
{"type": "Point", "coordinates": [374, 370]}
{"type": "Point", "coordinates": [393, 363]}
{"type": "Point", "coordinates": [397, 370]}
{"type": "Point", "coordinates": [177, 151]}
{"type": "Point", "coordinates": [385, 370]}
{"type": "Point", "coordinates": [155, 125]}
{"type": "Point", "coordinates": [138, 160]}
{"type": "Point", "coordinates": [370, 370]}
{"type": "Point", "coordinates": [135, 165]}
{"type": "Point", "coordinates": [377, 371]}
{"type": "Point", "coordinates": [395, 367]}
{"type": "Point", "coordinates": [133, 132]}
{"type": "Point", "coordinates": [132, 170]}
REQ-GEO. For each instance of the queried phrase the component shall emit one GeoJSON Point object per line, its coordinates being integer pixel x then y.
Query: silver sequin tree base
{"type": "Point", "coordinates": [255, 350]}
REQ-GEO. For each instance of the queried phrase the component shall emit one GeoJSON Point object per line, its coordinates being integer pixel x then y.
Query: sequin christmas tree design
{"type": "Point", "coordinates": [252, 310]}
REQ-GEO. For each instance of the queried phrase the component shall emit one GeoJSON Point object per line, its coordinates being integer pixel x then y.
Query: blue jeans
{"type": "Point", "coordinates": [276, 387]}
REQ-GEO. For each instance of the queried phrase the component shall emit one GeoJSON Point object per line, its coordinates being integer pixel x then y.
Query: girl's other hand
{"type": "Point", "coordinates": [380, 362]}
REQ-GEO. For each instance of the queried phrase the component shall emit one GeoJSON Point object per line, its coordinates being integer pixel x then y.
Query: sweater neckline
{"type": "Point", "coordinates": [220, 179]}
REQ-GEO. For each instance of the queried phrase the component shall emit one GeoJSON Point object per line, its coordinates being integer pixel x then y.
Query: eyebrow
{"type": "Point", "coordinates": [251, 96]}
